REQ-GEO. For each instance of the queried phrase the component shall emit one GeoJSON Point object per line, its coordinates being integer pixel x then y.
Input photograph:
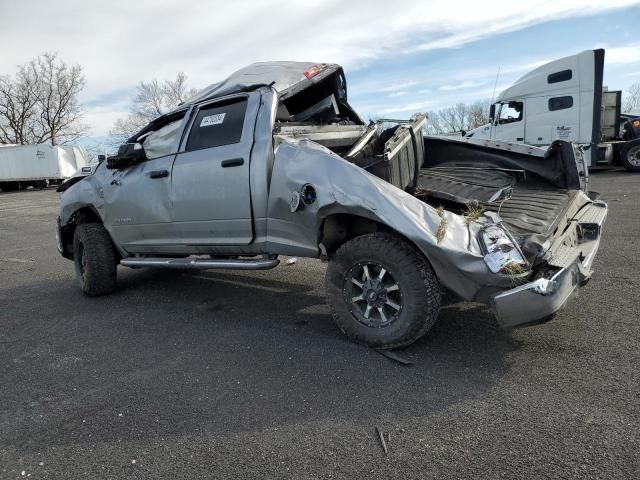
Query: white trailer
{"type": "Point", "coordinates": [565, 100]}
{"type": "Point", "coordinates": [22, 166]}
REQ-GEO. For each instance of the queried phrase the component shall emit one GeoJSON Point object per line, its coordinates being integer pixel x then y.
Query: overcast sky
{"type": "Point", "coordinates": [399, 56]}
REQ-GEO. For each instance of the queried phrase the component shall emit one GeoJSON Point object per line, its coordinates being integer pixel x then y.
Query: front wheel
{"type": "Point", "coordinates": [95, 260]}
{"type": "Point", "coordinates": [630, 156]}
{"type": "Point", "coordinates": [382, 292]}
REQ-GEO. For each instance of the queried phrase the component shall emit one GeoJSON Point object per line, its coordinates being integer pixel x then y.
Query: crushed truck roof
{"type": "Point", "coordinates": [285, 77]}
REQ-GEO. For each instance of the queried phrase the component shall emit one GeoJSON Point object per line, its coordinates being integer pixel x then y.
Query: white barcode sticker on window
{"type": "Point", "coordinates": [216, 119]}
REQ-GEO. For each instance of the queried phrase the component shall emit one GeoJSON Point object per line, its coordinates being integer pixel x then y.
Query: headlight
{"type": "Point", "coordinates": [501, 252]}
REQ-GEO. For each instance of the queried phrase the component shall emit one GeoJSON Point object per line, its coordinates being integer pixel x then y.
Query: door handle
{"type": "Point", "coordinates": [234, 162]}
{"type": "Point", "coordinates": [159, 173]}
{"type": "Point", "coordinates": [520, 139]}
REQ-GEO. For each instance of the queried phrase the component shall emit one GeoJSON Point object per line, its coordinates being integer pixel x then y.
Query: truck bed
{"type": "Point", "coordinates": [532, 211]}
{"type": "Point", "coordinates": [515, 184]}
{"type": "Point", "coordinates": [525, 210]}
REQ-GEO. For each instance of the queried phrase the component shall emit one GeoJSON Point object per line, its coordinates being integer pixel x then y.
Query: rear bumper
{"type": "Point", "coordinates": [538, 301]}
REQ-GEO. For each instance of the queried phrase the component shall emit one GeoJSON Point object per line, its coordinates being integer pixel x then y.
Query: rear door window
{"type": "Point", "coordinates": [217, 125]}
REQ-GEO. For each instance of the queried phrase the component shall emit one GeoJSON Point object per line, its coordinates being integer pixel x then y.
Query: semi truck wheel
{"type": "Point", "coordinates": [9, 186]}
{"type": "Point", "coordinates": [95, 260]}
{"type": "Point", "coordinates": [630, 156]}
{"type": "Point", "coordinates": [382, 292]}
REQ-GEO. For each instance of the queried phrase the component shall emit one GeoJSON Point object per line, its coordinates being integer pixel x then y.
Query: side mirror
{"type": "Point", "coordinates": [492, 112]}
{"type": "Point", "coordinates": [128, 154]}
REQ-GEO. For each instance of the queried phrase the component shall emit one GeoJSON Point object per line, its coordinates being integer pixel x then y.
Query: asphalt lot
{"type": "Point", "coordinates": [243, 375]}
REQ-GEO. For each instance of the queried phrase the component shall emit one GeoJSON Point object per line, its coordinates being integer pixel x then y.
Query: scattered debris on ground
{"type": "Point", "coordinates": [291, 261]}
{"type": "Point", "coordinates": [390, 354]}
{"type": "Point", "coordinates": [383, 442]}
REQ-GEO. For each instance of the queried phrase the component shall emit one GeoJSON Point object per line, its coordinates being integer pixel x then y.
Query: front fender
{"type": "Point", "coordinates": [86, 193]}
{"type": "Point", "coordinates": [83, 196]}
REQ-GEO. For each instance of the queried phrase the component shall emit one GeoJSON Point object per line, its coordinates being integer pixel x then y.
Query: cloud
{"type": "Point", "coordinates": [419, 106]}
{"type": "Point", "coordinates": [460, 86]}
{"type": "Point", "coordinates": [623, 55]}
{"type": "Point", "coordinates": [489, 18]}
{"type": "Point", "coordinates": [101, 118]}
{"type": "Point", "coordinates": [122, 42]}
{"type": "Point", "coordinates": [397, 86]}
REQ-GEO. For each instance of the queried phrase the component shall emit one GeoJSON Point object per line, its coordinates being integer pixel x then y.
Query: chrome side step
{"type": "Point", "coordinates": [200, 263]}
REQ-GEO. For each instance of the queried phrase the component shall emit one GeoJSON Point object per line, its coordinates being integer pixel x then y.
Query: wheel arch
{"type": "Point", "coordinates": [411, 290]}
{"type": "Point", "coordinates": [84, 214]}
{"type": "Point", "coordinates": [338, 228]}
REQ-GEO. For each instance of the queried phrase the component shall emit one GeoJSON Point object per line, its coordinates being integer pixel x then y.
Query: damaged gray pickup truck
{"type": "Point", "coordinates": [273, 161]}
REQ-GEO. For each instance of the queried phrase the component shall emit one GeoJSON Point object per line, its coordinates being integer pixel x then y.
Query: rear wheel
{"type": "Point", "coordinates": [382, 292]}
{"type": "Point", "coordinates": [95, 260]}
{"type": "Point", "coordinates": [630, 156]}
{"type": "Point", "coordinates": [10, 186]}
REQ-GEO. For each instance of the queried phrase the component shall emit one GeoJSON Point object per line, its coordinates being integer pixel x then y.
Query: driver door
{"type": "Point", "coordinates": [510, 124]}
{"type": "Point", "coordinates": [138, 198]}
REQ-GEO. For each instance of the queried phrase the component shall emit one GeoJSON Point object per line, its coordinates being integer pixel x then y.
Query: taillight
{"type": "Point", "coordinates": [502, 254]}
{"type": "Point", "coordinates": [313, 71]}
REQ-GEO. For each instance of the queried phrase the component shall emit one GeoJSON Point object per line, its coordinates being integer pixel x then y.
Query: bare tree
{"type": "Point", "coordinates": [58, 88]}
{"type": "Point", "coordinates": [18, 99]}
{"type": "Point", "coordinates": [433, 123]}
{"type": "Point", "coordinates": [40, 103]}
{"type": "Point", "coordinates": [454, 118]}
{"type": "Point", "coordinates": [458, 117]}
{"type": "Point", "coordinates": [631, 98]}
{"type": "Point", "coordinates": [478, 114]}
{"type": "Point", "coordinates": [152, 99]}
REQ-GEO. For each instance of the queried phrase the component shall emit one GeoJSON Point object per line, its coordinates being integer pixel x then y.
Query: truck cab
{"type": "Point", "coordinates": [565, 100]}
{"type": "Point", "coordinates": [559, 100]}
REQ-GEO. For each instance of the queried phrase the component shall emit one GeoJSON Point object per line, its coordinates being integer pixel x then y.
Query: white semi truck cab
{"type": "Point", "coordinates": [565, 100]}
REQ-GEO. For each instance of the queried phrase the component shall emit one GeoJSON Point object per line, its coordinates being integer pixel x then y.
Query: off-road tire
{"type": "Point", "coordinates": [632, 148]}
{"type": "Point", "coordinates": [417, 282]}
{"type": "Point", "coordinates": [95, 260]}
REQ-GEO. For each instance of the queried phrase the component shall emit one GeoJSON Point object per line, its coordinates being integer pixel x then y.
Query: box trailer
{"type": "Point", "coordinates": [22, 166]}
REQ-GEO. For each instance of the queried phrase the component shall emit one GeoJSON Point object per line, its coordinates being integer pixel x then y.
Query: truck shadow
{"type": "Point", "coordinates": [185, 353]}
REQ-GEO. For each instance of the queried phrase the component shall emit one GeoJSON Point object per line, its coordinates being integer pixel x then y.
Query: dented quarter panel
{"type": "Point", "coordinates": [343, 188]}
